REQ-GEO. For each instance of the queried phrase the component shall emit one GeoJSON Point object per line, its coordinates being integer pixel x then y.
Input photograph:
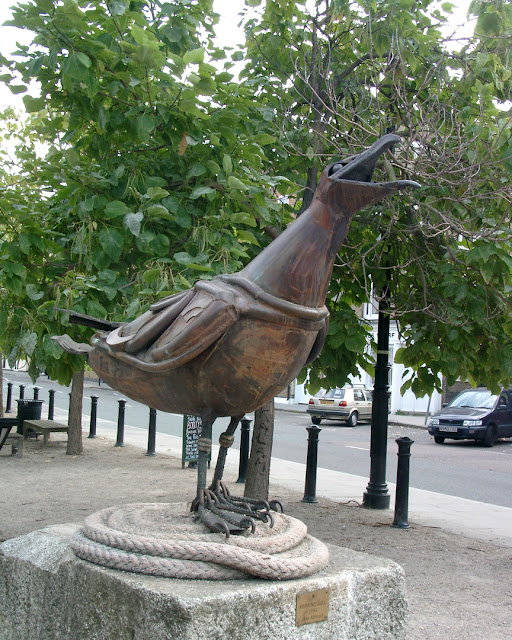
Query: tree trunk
{"type": "Point", "coordinates": [75, 414]}
{"type": "Point", "coordinates": [258, 469]}
{"type": "Point", "coordinates": [1, 384]}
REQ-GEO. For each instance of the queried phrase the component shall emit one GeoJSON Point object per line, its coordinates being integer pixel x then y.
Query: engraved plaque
{"type": "Point", "coordinates": [312, 607]}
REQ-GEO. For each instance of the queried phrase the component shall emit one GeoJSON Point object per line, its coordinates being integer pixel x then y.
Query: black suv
{"type": "Point", "coordinates": [474, 414]}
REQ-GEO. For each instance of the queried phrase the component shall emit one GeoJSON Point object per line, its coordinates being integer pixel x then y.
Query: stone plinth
{"type": "Point", "coordinates": [47, 593]}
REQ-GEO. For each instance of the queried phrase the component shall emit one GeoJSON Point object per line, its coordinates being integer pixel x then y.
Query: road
{"type": "Point", "coordinates": [461, 469]}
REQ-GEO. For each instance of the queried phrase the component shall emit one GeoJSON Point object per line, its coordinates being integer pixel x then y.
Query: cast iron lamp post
{"type": "Point", "coordinates": [376, 495]}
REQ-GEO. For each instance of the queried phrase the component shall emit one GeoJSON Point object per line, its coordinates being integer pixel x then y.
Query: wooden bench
{"type": "Point", "coordinates": [45, 427]}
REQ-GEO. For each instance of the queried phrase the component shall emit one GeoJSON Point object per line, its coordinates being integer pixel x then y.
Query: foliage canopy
{"type": "Point", "coordinates": [161, 167]}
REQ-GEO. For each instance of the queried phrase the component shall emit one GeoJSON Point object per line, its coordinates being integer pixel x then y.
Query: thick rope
{"type": "Point", "coordinates": [287, 555]}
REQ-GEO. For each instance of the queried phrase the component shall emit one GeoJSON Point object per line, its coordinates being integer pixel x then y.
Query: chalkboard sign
{"type": "Point", "coordinates": [191, 431]}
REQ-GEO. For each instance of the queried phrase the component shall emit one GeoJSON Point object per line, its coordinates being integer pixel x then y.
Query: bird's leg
{"type": "Point", "coordinates": [204, 445]}
{"type": "Point", "coordinates": [225, 440]}
{"type": "Point", "coordinates": [247, 507]}
{"type": "Point", "coordinates": [209, 510]}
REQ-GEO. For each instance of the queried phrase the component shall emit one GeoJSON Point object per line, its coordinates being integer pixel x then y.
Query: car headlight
{"type": "Point", "coordinates": [434, 422]}
{"type": "Point", "coordinates": [472, 423]}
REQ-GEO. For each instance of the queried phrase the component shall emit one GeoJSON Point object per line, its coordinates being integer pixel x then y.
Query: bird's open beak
{"type": "Point", "coordinates": [354, 189]}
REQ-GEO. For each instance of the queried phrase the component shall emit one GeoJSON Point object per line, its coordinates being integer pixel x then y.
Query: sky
{"type": "Point", "coordinates": [227, 30]}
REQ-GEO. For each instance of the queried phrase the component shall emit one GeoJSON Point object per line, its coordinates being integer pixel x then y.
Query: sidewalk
{"type": "Point", "coordinates": [479, 520]}
{"type": "Point", "coordinates": [460, 516]}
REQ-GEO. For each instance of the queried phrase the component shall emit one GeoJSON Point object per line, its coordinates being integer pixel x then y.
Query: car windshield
{"type": "Point", "coordinates": [338, 394]}
{"type": "Point", "coordinates": [483, 399]}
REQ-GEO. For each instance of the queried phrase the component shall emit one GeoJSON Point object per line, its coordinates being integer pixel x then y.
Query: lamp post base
{"type": "Point", "coordinates": [373, 499]}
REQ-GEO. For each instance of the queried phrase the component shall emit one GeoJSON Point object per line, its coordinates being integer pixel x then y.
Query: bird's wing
{"type": "Point", "coordinates": [175, 334]}
{"type": "Point", "coordinates": [69, 345]}
{"type": "Point", "coordinates": [89, 321]}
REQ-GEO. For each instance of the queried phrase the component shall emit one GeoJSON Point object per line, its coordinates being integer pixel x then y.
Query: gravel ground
{"type": "Point", "coordinates": [459, 588]}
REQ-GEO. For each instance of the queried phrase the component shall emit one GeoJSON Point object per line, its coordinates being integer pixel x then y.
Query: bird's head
{"type": "Point", "coordinates": [350, 186]}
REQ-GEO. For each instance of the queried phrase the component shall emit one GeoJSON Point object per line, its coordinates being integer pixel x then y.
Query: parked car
{"type": "Point", "coordinates": [474, 414]}
{"type": "Point", "coordinates": [349, 403]}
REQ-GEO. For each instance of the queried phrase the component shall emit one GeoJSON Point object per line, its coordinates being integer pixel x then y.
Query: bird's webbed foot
{"type": "Point", "coordinates": [256, 509]}
{"type": "Point", "coordinates": [220, 517]}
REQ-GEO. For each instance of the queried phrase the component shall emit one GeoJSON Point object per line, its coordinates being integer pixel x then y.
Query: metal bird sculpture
{"type": "Point", "coordinates": [229, 345]}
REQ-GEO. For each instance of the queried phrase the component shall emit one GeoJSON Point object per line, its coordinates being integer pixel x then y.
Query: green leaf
{"type": "Point", "coordinates": [151, 275]}
{"type": "Point", "coordinates": [33, 293]}
{"type": "Point", "coordinates": [132, 222]}
{"type": "Point", "coordinates": [196, 170]}
{"type": "Point", "coordinates": [173, 33]}
{"type": "Point", "coordinates": [76, 65]}
{"type": "Point", "coordinates": [112, 243]}
{"type": "Point", "coordinates": [18, 269]}
{"type": "Point", "coordinates": [32, 105]}
{"type": "Point", "coordinates": [158, 210]}
{"type": "Point", "coordinates": [235, 183]}
{"type": "Point", "coordinates": [116, 209]}
{"type": "Point", "coordinates": [95, 309]}
{"type": "Point", "coordinates": [355, 342]}
{"type": "Point", "coordinates": [264, 138]}
{"type": "Point", "coordinates": [247, 236]}
{"type": "Point", "coordinates": [24, 243]}
{"type": "Point", "coordinates": [133, 308]}
{"type": "Point", "coordinates": [198, 267]}
{"type": "Point", "coordinates": [118, 7]}
{"type": "Point", "coordinates": [160, 245]}
{"type": "Point", "coordinates": [184, 281]}
{"type": "Point", "coordinates": [28, 342]}
{"type": "Point", "coordinates": [83, 59]}
{"type": "Point", "coordinates": [183, 258]}
{"type": "Point", "coordinates": [243, 218]}
{"type": "Point", "coordinates": [197, 192]}
{"type": "Point", "coordinates": [51, 348]}
{"type": "Point", "coordinates": [195, 56]}
{"type": "Point", "coordinates": [17, 88]}
{"type": "Point", "coordinates": [145, 125]}
{"type": "Point", "coordinates": [157, 193]}
{"type": "Point", "coordinates": [227, 164]}
{"type": "Point", "coordinates": [487, 270]}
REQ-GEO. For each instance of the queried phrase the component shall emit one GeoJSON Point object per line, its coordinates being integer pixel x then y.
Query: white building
{"type": "Point", "coordinates": [406, 403]}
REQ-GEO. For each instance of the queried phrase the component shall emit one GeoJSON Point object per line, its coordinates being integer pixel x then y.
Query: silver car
{"type": "Point", "coordinates": [350, 404]}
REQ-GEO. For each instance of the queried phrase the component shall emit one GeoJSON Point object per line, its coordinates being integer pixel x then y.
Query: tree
{"type": "Point", "coordinates": [349, 72]}
{"type": "Point", "coordinates": [258, 469]}
{"type": "Point", "coordinates": [154, 170]}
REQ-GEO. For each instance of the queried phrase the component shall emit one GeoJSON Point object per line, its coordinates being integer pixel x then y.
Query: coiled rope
{"type": "Point", "coordinates": [164, 540]}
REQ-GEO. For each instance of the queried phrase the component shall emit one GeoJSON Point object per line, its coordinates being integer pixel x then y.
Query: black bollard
{"type": "Point", "coordinates": [245, 439]}
{"type": "Point", "coordinates": [36, 393]}
{"type": "Point", "coordinates": [152, 433]}
{"type": "Point", "coordinates": [22, 391]}
{"type": "Point", "coordinates": [9, 398]}
{"type": "Point", "coordinates": [311, 464]}
{"type": "Point", "coordinates": [120, 424]}
{"type": "Point", "coordinates": [402, 484]}
{"type": "Point", "coordinates": [94, 410]}
{"type": "Point", "coordinates": [51, 404]}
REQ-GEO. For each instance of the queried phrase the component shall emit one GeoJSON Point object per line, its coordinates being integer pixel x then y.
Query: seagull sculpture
{"type": "Point", "coordinates": [229, 345]}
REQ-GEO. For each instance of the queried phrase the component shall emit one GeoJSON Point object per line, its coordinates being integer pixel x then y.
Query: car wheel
{"type": "Point", "coordinates": [489, 437]}
{"type": "Point", "coordinates": [439, 439]}
{"type": "Point", "coordinates": [352, 421]}
{"type": "Point", "coordinates": [316, 421]}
